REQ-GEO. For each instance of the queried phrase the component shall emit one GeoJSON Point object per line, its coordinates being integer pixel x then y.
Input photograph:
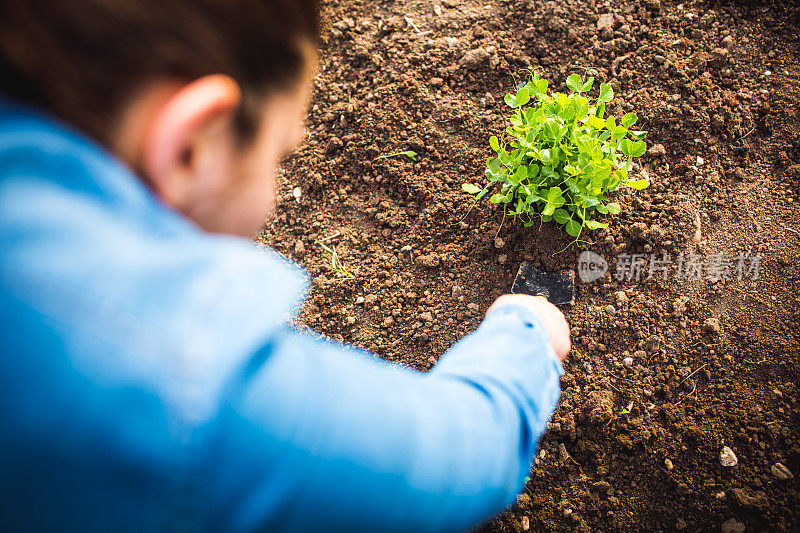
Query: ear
{"type": "Point", "coordinates": [172, 139]}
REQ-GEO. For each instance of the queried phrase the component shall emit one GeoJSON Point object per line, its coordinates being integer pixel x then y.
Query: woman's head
{"type": "Point", "coordinates": [200, 97]}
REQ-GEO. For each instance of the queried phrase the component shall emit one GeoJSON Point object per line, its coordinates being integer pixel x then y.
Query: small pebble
{"type": "Point", "coordinates": [720, 495]}
{"type": "Point", "coordinates": [628, 362]}
{"type": "Point", "coordinates": [360, 300]}
{"type": "Point", "coordinates": [712, 325]}
{"type": "Point", "coordinates": [621, 298]}
{"type": "Point", "coordinates": [524, 500]}
{"type": "Point", "coordinates": [781, 472]}
{"type": "Point", "coordinates": [727, 42]}
{"type": "Point", "coordinates": [668, 464]}
{"type": "Point", "coordinates": [297, 193]}
{"type": "Point", "coordinates": [732, 526]}
{"type": "Point", "coordinates": [350, 320]}
{"type": "Point", "coordinates": [727, 457]}
{"type": "Point", "coordinates": [611, 310]}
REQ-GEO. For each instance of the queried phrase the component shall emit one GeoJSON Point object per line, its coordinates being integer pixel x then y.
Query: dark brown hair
{"type": "Point", "coordinates": [82, 60]}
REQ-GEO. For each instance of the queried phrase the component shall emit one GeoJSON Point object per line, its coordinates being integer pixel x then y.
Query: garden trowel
{"type": "Point", "coordinates": [557, 287]}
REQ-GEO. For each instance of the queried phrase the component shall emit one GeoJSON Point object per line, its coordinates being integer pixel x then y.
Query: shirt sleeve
{"type": "Point", "coordinates": [316, 436]}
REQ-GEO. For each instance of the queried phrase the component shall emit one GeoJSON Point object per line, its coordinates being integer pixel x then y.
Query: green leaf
{"type": "Point", "coordinates": [626, 147]}
{"type": "Point", "coordinates": [629, 119]}
{"type": "Point", "coordinates": [552, 129]}
{"type": "Point", "coordinates": [596, 122]}
{"type": "Point", "coordinates": [555, 154]}
{"type": "Point", "coordinates": [561, 216]}
{"type": "Point", "coordinates": [511, 101]}
{"type": "Point", "coordinates": [554, 200]}
{"type": "Point", "coordinates": [583, 109]}
{"type": "Point", "coordinates": [613, 208]}
{"type": "Point", "coordinates": [520, 175]}
{"type": "Point", "coordinates": [586, 87]}
{"type": "Point", "coordinates": [494, 143]}
{"type": "Point", "coordinates": [638, 184]}
{"type": "Point", "coordinates": [574, 83]}
{"type": "Point", "coordinates": [497, 198]}
{"type": "Point", "coordinates": [633, 149]}
{"type": "Point", "coordinates": [600, 111]}
{"type": "Point", "coordinates": [470, 188]}
{"type": "Point", "coordinates": [594, 224]}
{"type": "Point", "coordinates": [541, 87]}
{"type": "Point", "coordinates": [573, 228]}
{"type": "Point", "coordinates": [606, 93]}
{"type": "Point", "coordinates": [523, 96]}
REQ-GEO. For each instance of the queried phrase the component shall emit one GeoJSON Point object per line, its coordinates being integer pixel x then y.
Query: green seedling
{"type": "Point", "coordinates": [624, 411]}
{"type": "Point", "coordinates": [408, 153]}
{"type": "Point", "coordinates": [336, 266]}
{"type": "Point", "coordinates": [562, 156]}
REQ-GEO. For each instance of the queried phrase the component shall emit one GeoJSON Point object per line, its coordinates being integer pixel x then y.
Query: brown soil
{"type": "Point", "coordinates": [430, 77]}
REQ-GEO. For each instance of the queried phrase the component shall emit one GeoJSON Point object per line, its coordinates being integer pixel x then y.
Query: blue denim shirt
{"type": "Point", "coordinates": [151, 379]}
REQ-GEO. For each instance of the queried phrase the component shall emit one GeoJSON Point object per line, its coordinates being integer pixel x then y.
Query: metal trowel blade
{"type": "Point", "coordinates": [557, 287]}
